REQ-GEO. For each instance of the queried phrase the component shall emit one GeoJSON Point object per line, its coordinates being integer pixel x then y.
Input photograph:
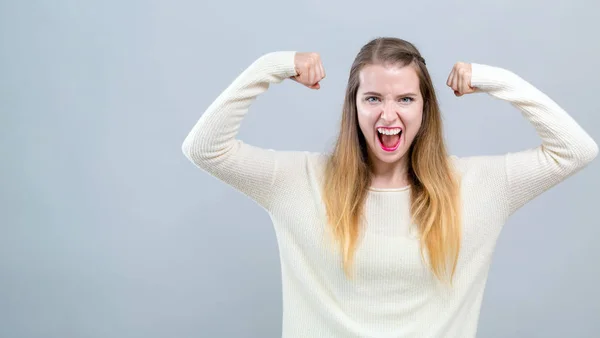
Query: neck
{"type": "Point", "coordinates": [389, 175]}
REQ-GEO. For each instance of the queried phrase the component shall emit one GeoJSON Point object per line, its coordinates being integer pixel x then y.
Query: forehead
{"type": "Point", "coordinates": [388, 79]}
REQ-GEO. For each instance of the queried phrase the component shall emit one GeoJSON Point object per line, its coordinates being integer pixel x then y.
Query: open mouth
{"type": "Point", "coordinates": [389, 138]}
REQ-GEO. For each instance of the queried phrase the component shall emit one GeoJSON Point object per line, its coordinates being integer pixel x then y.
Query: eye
{"type": "Point", "coordinates": [407, 99]}
{"type": "Point", "coordinates": [371, 99]}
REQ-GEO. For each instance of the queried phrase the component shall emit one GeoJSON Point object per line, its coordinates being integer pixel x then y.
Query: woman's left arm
{"type": "Point", "coordinates": [565, 148]}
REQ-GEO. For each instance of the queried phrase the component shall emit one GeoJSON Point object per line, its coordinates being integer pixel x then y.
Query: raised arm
{"type": "Point", "coordinates": [212, 145]}
{"type": "Point", "coordinates": [565, 147]}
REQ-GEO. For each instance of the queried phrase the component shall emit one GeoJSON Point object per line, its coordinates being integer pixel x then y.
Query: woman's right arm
{"type": "Point", "coordinates": [212, 145]}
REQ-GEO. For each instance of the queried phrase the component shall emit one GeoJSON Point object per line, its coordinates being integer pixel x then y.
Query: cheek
{"type": "Point", "coordinates": [412, 120]}
{"type": "Point", "coordinates": [365, 121]}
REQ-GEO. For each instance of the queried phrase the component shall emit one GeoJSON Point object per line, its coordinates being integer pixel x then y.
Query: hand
{"type": "Point", "coordinates": [460, 79]}
{"type": "Point", "coordinates": [309, 69]}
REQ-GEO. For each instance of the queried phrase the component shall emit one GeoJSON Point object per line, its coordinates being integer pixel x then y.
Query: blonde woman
{"type": "Point", "coordinates": [388, 235]}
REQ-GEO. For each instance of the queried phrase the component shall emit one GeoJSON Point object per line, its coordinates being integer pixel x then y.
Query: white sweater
{"type": "Point", "coordinates": [392, 294]}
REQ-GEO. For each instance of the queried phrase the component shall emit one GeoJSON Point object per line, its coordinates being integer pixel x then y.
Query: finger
{"type": "Point", "coordinates": [318, 73]}
{"type": "Point", "coordinates": [455, 81]}
{"type": "Point", "coordinates": [450, 76]}
{"type": "Point", "coordinates": [454, 84]}
{"type": "Point", "coordinates": [313, 76]}
{"type": "Point", "coordinates": [463, 83]}
{"type": "Point", "coordinates": [322, 70]}
{"type": "Point", "coordinates": [313, 79]}
{"type": "Point", "coordinates": [305, 78]}
{"type": "Point", "coordinates": [317, 79]}
{"type": "Point", "coordinates": [321, 73]}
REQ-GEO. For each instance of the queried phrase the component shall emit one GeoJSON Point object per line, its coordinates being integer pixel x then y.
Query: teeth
{"type": "Point", "coordinates": [389, 131]}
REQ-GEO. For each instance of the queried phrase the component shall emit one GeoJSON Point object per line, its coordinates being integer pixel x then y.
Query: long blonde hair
{"type": "Point", "coordinates": [435, 202]}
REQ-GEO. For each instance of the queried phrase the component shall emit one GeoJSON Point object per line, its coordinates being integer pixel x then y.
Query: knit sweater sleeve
{"type": "Point", "coordinates": [212, 144]}
{"type": "Point", "coordinates": [565, 147]}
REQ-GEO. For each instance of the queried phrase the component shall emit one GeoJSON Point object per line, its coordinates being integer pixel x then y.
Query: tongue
{"type": "Point", "coordinates": [389, 141]}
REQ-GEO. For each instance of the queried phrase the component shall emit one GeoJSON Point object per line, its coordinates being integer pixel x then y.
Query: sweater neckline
{"type": "Point", "coordinates": [405, 188]}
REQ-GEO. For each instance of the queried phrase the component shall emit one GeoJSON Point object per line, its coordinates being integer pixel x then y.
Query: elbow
{"type": "Point", "coordinates": [586, 153]}
{"type": "Point", "coordinates": [592, 151]}
{"type": "Point", "coordinates": [203, 151]}
{"type": "Point", "coordinates": [186, 148]}
{"type": "Point", "coordinates": [574, 157]}
{"type": "Point", "coordinates": [188, 145]}
{"type": "Point", "coordinates": [192, 149]}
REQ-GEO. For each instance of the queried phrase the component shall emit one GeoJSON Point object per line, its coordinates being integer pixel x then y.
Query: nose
{"type": "Point", "coordinates": [389, 113]}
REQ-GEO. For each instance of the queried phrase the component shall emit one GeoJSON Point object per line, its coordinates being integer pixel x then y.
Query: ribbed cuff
{"type": "Point", "coordinates": [281, 63]}
{"type": "Point", "coordinates": [488, 77]}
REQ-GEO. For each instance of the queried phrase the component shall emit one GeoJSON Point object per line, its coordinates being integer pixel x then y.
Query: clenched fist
{"type": "Point", "coordinates": [309, 69]}
{"type": "Point", "coordinates": [460, 79]}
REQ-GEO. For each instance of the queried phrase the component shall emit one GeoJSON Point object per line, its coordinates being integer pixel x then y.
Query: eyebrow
{"type": "Point", "coordinates": [377, 94]}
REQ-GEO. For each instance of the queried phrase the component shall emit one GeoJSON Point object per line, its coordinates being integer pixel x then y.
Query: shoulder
{"type": "Point", "coordinates": [483, 182]}
{"type": "Point", "coordinates": [479, 162]}
{"type": "Point", "coordinates": [298, 179]}
{"type": "Point", "coordinates": [300, 165]}
{"type": "Point", "coordinates": [484, 170]}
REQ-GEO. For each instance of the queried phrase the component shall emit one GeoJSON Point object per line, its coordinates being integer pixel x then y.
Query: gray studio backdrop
{"type": "Point", "coordinates": [106, 230]}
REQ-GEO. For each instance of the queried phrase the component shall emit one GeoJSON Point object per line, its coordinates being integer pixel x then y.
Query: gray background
{"type": "Point", "coordinates": [106, 230]}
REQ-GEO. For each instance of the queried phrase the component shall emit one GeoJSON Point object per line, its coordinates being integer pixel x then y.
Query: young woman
{"type": "Point", "coordinates": [387, 236]}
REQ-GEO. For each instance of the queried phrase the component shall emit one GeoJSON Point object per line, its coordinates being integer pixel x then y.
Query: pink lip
{"type": "Point", "coordinates": [390, 149]}
{"type": "Point", "coordinates": [389, 127]}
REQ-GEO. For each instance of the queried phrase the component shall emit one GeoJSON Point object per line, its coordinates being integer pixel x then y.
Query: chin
{"type": "Point", "coordinates": [389, 158]}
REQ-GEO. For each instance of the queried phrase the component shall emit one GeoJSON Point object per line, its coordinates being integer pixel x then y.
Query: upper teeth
{"type": "Point", "coordinates": [389, 131]}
